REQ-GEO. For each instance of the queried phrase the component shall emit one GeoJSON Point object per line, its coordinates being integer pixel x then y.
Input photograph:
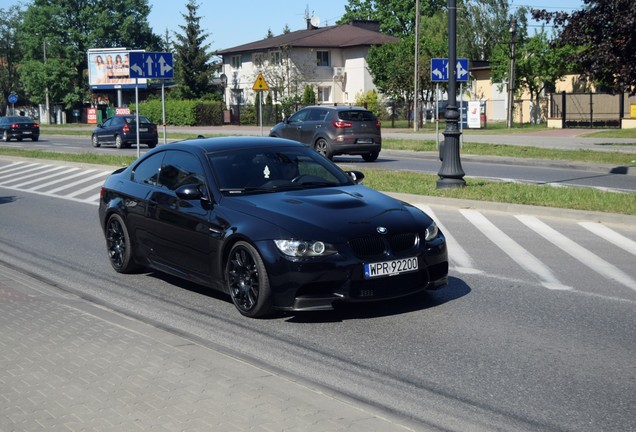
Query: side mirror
{"type": "Point", "coordinates": [356, 176]}
{"type": "Point", "coordinates": [191, 192]}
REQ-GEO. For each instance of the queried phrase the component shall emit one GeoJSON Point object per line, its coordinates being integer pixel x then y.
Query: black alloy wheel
{"type": "Point", "coordinates": [119, 245]}
{"type": "Point", "coordinates": [247, 281]}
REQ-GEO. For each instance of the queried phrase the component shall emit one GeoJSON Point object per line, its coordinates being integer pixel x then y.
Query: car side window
{"type": "Point", "coordinates": [147, 172]}
{"type": "Point", "coordinates": [179, 169]}
{"type": "Point", "coordinates": [107, 122]}
{"type": "Point", "coordinates": [299, 116]}
{"type": "Point", "coordinates": [317, 114]}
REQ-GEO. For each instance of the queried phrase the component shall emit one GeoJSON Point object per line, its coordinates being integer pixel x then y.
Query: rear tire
{"type": "Point", "coordinates": [119, 246]}
{"type": "Point", "coordinates": [322, 147]}
{"type": "Point", "coordinates": [5, 137]}
{"type": "Point", "coordinates": [118, 142]}
{"type": "Point", "coordinates": [35, 138]}
{"type": "Point", "coordinates": [370, 157]}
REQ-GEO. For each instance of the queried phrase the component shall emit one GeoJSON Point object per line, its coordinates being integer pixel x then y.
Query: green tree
{"type": "Point", "coordinates": [391, 66]}
{"type": "Point", "coordinates": [482, 24]}
{"type": "Point", "coordinates": [193, 68]}
{"type": "Point", "coordinates": [66, 29]}
{"type": "Point", "coordinates": [309, 95]}
{"type": "Point", "coordinates": [603, 31]}
{"type": "Point", "coordinates": [538, 65]}
{"type": "Point", "coordinates": [10, 53]}
{"type": "Point", "coordinates": [396, 17]}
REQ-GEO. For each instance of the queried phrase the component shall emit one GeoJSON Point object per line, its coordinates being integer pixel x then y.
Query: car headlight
{"type": "Point", "coordinates": [431, 232]}
{"type": "Point", "coordinates": [302, 248]}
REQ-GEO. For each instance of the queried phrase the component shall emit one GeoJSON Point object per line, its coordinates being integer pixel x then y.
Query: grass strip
{"type": "Point", "coordinates": [425, 184]}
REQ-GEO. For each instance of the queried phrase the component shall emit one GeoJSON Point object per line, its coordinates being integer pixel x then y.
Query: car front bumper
{"type": "Point", "coordinates": [310, 285]}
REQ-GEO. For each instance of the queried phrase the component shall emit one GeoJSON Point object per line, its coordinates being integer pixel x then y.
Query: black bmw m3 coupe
{"type": "Point", "coordinates": [270, 222]}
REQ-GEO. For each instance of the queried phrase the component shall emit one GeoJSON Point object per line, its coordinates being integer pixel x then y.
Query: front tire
{"type": "Point", "coordinates": [95, 141]}
{"type": "Point", "coordinates": [247, 281]}
{"type": "Point", "coordinates": [322, 147]}
{"type": "Point", "coordinates": [119, 245]}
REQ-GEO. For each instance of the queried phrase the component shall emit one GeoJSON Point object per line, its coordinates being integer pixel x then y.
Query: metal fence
{"type": "Point", "coordinates": [590, 110]}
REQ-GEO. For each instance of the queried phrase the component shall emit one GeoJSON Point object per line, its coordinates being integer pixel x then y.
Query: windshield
{"type": "Point", "coordinates": [274, 169]}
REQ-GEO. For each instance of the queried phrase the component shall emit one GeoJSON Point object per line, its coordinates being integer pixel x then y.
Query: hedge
{"type": "Point", "coordinates": [184, 113]}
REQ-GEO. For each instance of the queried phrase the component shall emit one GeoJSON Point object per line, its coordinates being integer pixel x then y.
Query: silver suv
{"type": "Point", "coordinates": [334, 130]}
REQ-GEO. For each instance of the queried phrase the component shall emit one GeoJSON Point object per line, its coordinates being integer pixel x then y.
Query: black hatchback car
{"type": "Point", "coordinates": [334, 130]}
{"type": "Point", "coordinates": [19, 128]}
{"type": "Point", "coordinates": [271, 223]}
{"type": "Point", "coordinates": [122, 132]}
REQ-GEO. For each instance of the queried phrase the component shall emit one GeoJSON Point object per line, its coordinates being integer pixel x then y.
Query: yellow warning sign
{"type": "Point", "coordinates": [260, 83]}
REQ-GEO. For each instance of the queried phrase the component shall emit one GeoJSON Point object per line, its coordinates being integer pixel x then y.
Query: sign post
{"type": "Point", "coordinates": [156, 65]}
{"type": "Point", "coordinates": [260, 85]}
{"type": "Point", "coordinates": [13, 98]}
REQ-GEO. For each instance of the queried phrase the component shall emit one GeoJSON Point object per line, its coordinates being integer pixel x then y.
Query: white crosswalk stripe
{"type": "Point", "coordinates": [458, 256]}
{"type": "Point", "coordinates": [37, 177]}
{"type": "Point", "coordinates": [586, 257]}
{"type": "Point", "coordinates": [611, 236]}
{"type": "Point", "coordinates": [514, 250]}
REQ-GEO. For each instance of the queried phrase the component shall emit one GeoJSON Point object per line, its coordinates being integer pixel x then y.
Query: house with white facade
{"type": "Point", "coordinates": [331, 59]}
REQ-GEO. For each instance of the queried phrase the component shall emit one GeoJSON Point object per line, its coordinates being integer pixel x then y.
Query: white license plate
{"type": "Point", "coordinates": [390, 268]}
{"type": "Point", "coordinates": [365, 141]}
{"type": "Point", "coordinates": [143, 129]}
{"type": "Point", "coordinates": [26, 132]}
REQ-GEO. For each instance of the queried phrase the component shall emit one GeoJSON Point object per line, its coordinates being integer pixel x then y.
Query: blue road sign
{"type": "Point", "coordinates": [439, 69]}
{"type": "Point", "coordinates": [13, 98]}
{"type": "Point", "coordinates": [156, 65]}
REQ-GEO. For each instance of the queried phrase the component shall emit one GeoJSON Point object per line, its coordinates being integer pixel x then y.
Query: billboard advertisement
{"type": "Point", "coordinates": [109, 69]}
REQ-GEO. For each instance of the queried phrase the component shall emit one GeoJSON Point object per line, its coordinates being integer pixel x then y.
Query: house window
{"type": "Point", "coordinates": [324, 94]}
{"type": "Point", "coordinates": [258, 59]}
{"type": "Point", "coordinates": [235, 61]}
{"type": "Point", "coordinates": [322, 58]}
{"type": "Point", "coordinates": [275, 57]}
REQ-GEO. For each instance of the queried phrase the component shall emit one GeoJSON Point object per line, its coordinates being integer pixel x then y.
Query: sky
{"type": "Point", "coordinates": [237, 22]}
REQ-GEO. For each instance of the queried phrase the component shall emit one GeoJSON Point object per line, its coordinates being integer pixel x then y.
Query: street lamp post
{"type": "Point", "coordinates": [451, 173]}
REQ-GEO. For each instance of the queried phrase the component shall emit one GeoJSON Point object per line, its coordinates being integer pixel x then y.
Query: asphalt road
{"type": "Point", "coordinates": [535, 331]}
{"type": "Point", "coordinates": [518, 170]}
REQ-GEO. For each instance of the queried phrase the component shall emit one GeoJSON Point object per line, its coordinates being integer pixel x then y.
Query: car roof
{"type": "Point", "coordinates": [339, 107]}
{"type": "Point", "coordinates": [18, 118]}
{"type": "Point", "coordinates": [219, 144]}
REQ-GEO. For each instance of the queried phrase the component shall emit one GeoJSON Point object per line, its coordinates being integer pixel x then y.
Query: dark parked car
{"type": "Point", "coordinates": [19, 127]}
{"type": "Point", "coordinates": [269, 222]}
{"type": "Point", "coordinates": [334, 130]}
{"type": "Point", "coordinates": [122, 131]}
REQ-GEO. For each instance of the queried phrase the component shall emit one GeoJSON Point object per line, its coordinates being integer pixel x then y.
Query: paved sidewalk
{"type": "Point", "coordinates": [69, 365]}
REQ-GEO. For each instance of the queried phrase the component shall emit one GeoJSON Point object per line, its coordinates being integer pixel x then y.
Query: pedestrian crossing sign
{"type": "Point", "coordinates": [260, 83]}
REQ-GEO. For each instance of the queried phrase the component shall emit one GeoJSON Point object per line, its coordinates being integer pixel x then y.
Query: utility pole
{"type": "Point", "coordinates": [416, 116]}
{"type": "Point", "coordinates": [511, 74]}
